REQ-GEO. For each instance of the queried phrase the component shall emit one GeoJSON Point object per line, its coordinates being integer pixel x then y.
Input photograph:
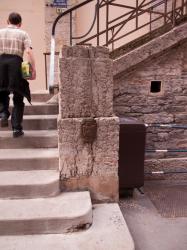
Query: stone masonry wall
{"type": "Point", "coordinates": [88, 130]}
{"type": "Point", "coordinates": [132, 98]}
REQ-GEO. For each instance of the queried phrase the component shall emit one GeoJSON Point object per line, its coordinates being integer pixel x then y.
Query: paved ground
{"type": "Point", "coordinates": [149, 229]}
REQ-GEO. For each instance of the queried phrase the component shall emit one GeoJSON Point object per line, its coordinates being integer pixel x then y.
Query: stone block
{"type": "Point", "coordinates": [86, 82]}
{"type": "Point", "coordinates": [158, 118]}
{"type": "Point", "coordinates": [84, 164]}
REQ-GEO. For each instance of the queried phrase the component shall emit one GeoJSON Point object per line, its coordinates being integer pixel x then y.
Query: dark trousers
{"type": "Point", "coordinates": [17, 111]}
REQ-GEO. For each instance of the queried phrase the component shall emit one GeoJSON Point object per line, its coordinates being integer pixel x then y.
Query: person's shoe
{"type": "Point", "coordinates": [4, 122]}
{"type": "Point", "coordinates": [17, 133]}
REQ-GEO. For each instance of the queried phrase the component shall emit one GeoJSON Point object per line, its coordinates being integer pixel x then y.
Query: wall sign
{"type": "Point", "coordinates": [60, 3]}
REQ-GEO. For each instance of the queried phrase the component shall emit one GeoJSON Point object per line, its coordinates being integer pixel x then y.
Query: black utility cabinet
{"type": "Point", "coordinates": [131, 155]}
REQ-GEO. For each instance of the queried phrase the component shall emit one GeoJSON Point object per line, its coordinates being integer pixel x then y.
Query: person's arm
{"type": "Point", "coordinates": [31, 60]}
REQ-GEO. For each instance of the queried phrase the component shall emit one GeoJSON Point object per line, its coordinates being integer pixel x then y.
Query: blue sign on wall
{"type": "Point", "coordinates": [60, 3]}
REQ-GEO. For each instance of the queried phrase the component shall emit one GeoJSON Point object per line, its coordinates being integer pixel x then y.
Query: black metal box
{"type": "Point", "coordinates": [131, 154]}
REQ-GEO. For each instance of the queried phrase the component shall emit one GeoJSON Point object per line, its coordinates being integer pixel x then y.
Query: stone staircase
{"type": "Point", "coordinates": [34, 212]}
{"type": "Point", "coordinates": [31, 201]}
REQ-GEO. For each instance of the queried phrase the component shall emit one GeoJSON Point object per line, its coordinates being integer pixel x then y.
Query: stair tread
{"type": "Point", "coordinates": [30, 133]}
{"type": "Point", "coordinates": [30, 117]}
{"type": "Point", "coordinates": [65, 205]}
{"type": "Point", "coordinates": [33, 177]}
{"type": "Point", "coordinates": [41, 117]}
{"type": "Point", "coordinates": [28, 153]}
{"type": "Point", "coordinates": [37, 103]}
{"type": "Point", "coordinates": [109, 231]}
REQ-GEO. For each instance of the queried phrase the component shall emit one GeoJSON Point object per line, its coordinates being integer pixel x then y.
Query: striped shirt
{"type": "Point", "coordinates": [13, 41]}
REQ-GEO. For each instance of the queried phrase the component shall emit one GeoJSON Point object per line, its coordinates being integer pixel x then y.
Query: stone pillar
{"type": "Point", "coordinates": [88, 130]}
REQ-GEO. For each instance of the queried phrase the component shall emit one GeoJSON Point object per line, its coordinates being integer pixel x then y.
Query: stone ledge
{"type": "Point", "coordinates": [150, 49]}
{"type": "Point", "coordinates": [64, 213]}
{"type": "Point", "coordinates": [108, 231]}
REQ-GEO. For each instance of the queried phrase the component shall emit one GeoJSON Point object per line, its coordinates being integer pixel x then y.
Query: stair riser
{"type": "Point", "coordinates": [37, 124]}
{"type": "Point", "coordinates": [29, 164]}
{"type": "Point", "coordinates": [45, 225]}
{"type": "Point", "coordinates": [40, 110]}
{"type": "Point", "coordinates": [29, 191]}
{"type": "Point", "coordinates": [28, 142]}
{"type": "Point", "coordinates": [40, 97]}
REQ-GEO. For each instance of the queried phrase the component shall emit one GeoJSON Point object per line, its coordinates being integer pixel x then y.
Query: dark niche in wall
{"type": "Point", "coordinates": [155, 86]}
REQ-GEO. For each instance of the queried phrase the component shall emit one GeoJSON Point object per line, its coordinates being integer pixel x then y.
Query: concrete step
{"type": "Point", "coordinates": [29, 184]}
{"type": "Point", "coordinates": [64, 213]}
{"type": "Point", "coordinates": [37, 122]}
{"type": "Point", "coordinates": [39, 108]}
{"type": "Point", "coordinates": [28, 159]}
{"type": "Point", "coordinates": [31, 139]}
{"type": "Point", "coordinates": [109, 231]}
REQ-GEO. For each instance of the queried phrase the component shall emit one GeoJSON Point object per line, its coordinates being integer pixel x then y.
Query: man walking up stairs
{"type": "Point", "coordinates": [13, 43]}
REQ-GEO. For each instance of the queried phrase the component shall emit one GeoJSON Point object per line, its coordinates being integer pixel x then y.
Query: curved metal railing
{"type": "Point", "coordinates": [116, 31]}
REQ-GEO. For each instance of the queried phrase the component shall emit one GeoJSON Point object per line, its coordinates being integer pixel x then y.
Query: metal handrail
{"type": "Point", "coordinates": [118, 24]}
{"type": "Point", "coordinates": [67, 12]}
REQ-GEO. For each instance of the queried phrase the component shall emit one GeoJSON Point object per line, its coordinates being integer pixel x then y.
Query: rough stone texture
{"type": "Point", "coordinates": [85, 165]}
{"type": "Point", "coordinates": [88, 131]}
{"type": "Point", "coordinates": [133, 98]}
{"type": "Point", "coordinates": [102, 188]}
{"type": "Point", "coordinates": [167, 165]}
{"type": "Point", "coordinates": [86, 78]}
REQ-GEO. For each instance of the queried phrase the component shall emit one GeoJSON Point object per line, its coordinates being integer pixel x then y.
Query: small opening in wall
{"type": "Point", "coordinates": [155, 86]}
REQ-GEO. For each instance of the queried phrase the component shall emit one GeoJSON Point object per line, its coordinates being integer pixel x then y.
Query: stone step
{"type": "Point", "coordinates": [37, 122]}
{"type": "Point", "coordinates": [109, 231]}
{"type": "Point", "coordinates": [28, 159]}
{"type": "Point", "coordinates": [31, 139]}
{"type": "Point", "coordinates": [41, 96]}
{"type": "Point", "coordinates": [39, 108]}
{"type": "Point", "coordinates": [64, 213]}
{"type": "Point", "coordinates": [29, 184]}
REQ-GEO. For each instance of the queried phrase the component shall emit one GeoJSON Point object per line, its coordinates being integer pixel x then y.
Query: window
{"type": "Point", "coordinates": [155, 86]}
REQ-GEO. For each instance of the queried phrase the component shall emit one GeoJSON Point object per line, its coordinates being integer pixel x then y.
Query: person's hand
{"type": "Point", "coordinates": [33, 74]}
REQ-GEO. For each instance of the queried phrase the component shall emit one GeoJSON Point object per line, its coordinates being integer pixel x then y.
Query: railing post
{"type": "Point", "coordinates": [46, 80]}
{"type": "Point", "coordinates": [71, 28]}
{"type": "Point", "coordinates": [173, 12]}
{"type": "Point", "coordinates": [136, 14]}
{"type": "Point", "coordinates": [165, 12]}
{"type": "Point", "coordinates": [150, 28]}
{"type": "Point", "coordinates": [183, 7]}
{"type": "Point", "coordinates": [98, 4]}
{"type": "Point", "coordinates": [107, 18]}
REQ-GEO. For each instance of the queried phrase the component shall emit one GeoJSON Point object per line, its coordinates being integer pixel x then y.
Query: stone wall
{"type": "Point", "coordinates": [62, 28]}
{"type": "Point", "coordinates": [133, 98]}
{"type": "Point", "coordinates": [88, 130]}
